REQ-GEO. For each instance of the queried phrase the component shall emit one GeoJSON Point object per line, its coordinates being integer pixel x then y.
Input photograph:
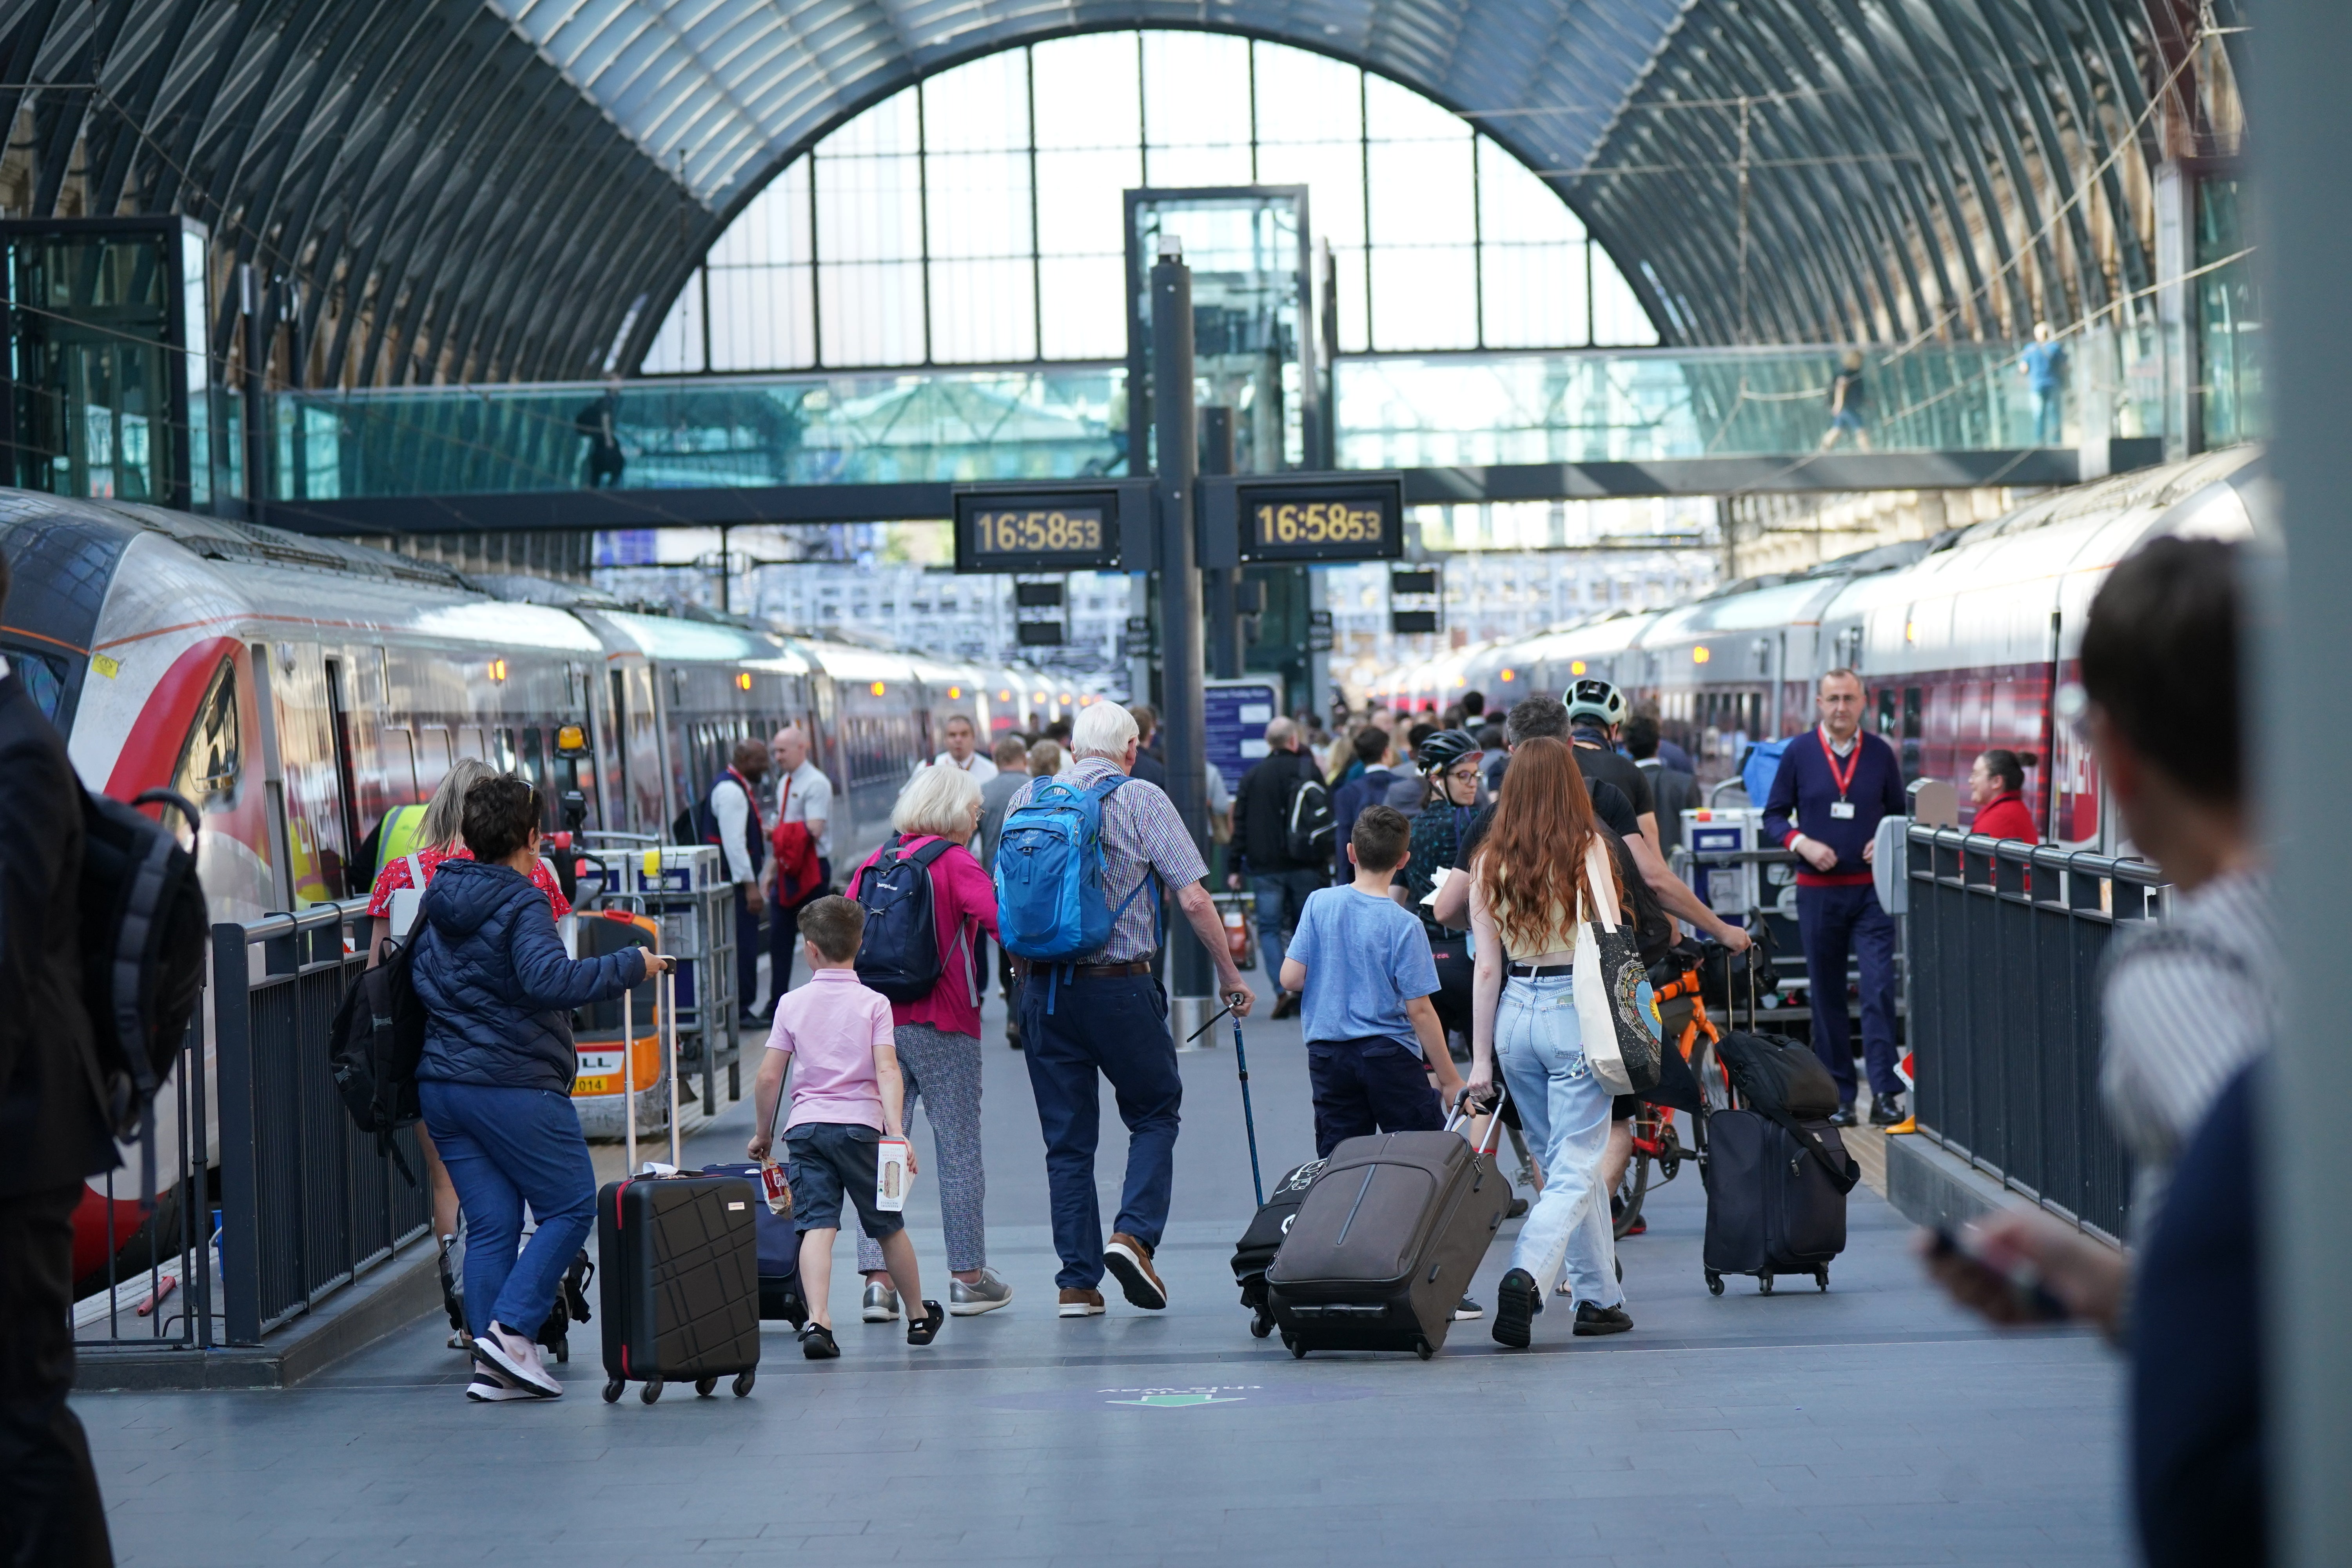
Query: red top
{"type": "Point", "coordinates": [963, 896]}
{"type": "Point", "coordinates": [394, 877]}
{"type": "Point", "coordinates": [2006, 816]}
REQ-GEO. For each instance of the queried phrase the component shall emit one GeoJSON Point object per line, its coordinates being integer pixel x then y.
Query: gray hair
{"type": "Point", "coordinates": [445, 819]}
{"type": "Point", "coordinates": [937, 800]}
{"type": "Point", "coordinates": [1103, 731]}
{"type": "Point", "coordinates": [1281, 734]}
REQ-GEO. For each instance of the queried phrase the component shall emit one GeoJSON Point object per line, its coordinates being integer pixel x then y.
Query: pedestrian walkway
{"type": "Point", "coordinates": [1871, 1425]}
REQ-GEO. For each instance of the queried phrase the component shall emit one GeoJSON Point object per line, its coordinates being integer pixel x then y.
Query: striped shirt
{"type": "Point", "coordinates": [1141, 833]}
{"type": "Point", "coordinates": [2187, 1002]}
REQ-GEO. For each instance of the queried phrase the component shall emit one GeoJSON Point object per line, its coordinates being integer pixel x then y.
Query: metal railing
{"type": "Point", "coordinates": [153, 1288]}
{"type": "Point", "coordinates": [307, 1205]}
{"type": "Point", "coordinates": [2005, 943]}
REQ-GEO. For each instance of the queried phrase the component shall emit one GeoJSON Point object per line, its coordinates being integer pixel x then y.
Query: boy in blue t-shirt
{"type": "Point", "coordinates": [1361, 965]}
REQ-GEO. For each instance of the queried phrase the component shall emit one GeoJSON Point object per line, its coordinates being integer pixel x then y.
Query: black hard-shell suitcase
{"type": "Point", "coordinates": [1776, 1171]}
{"type": "Point", "coordinates": [1384, 1243]}
{"type": "Point", "coordinates": [678, 1266]}
{"type": "Point", "coordinates": [1262, 1239]}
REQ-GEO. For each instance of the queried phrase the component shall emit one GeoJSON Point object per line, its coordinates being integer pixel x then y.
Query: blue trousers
{"type": "Point", "coordinates": [1074, 1026]}
{"type": "Point", "coordinates": [1281, 897]}
{"type": "Point", "coordinates": [1363, 1086]}
{"type": "Point", "coordinates": [747, 949]}
{"type": "Point", "coordinates": [504, 1148]}
{"type": "Point", "coordinates": [1832, 923]}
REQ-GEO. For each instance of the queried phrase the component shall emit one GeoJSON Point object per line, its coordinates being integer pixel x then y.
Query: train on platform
{"type": "Point", "coordinates": [297, 690]}
{"type": "Point", "coordinates": [1962, 641]}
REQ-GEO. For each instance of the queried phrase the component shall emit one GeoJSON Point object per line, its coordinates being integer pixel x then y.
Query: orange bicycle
{"type": "Point", "coordinates": [1656, 1146]}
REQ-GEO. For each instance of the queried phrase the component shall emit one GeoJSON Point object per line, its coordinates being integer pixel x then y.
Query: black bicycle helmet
{"type": "Point", "coordinates": [1445, 749]}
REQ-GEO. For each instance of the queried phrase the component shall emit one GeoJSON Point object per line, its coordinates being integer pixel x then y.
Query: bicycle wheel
{"type": "Point", "coordinates": [1630, 1189]}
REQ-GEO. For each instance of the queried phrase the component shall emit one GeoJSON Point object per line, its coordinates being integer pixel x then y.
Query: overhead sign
{"type": "Point", "coordinates": [1328, 516]}
{"type": "Point", "coordinates": [1056, 530]}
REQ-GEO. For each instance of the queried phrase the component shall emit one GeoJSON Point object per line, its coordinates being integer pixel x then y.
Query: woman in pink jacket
{"type": "Point", "coordinates": [939, 1040]}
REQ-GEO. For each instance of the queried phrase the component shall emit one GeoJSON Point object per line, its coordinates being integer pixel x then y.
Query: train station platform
{"type": "Point", "coordinates": [1874, 1424]}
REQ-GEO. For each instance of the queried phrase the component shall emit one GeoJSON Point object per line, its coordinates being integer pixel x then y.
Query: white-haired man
{"type": "Point", "coordinates": [804, 825]}
{"type": "Point", "coordinates": [1105, 1014]}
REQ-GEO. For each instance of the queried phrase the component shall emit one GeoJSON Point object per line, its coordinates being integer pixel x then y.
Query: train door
{"type": "Point", "coordinates": [318, 840]}
{"type": "Point", "coordinates": [355, 877]}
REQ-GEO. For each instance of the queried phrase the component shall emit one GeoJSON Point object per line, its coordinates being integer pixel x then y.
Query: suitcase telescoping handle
{"type": "Point", "coordinates": [629, 1076]}
{"type": "Point", "coordinates": [1461, 1113]}
{"type": "Point", "coordinates": [668, 993]}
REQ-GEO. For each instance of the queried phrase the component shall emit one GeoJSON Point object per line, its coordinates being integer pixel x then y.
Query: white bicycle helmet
{"type": "Point", "coordinates": [1596, 701]}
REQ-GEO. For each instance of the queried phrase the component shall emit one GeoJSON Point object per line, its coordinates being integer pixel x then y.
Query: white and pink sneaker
{"type": "Point", "coordinates": [518, 1357]}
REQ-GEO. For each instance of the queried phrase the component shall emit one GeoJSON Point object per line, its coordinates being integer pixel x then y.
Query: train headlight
{"type": "Point", "coordinates": [1575, 666]}
{"type": "Point", "coordinates": [1509, 675]}
{"type": "Point", "coordinates": [877, 689]}
{"type": "Point", "coordinates": [955, 691]}
{"type": "Point", "coordinates": [497, 669]}
{"type": "Point", "coordinates": [1699, 654]}
{"type": "Point", "coordinates": [742, 681]}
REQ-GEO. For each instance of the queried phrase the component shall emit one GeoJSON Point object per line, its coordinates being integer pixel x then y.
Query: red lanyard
{"type": "Point", "coordinates": [1843, 778]}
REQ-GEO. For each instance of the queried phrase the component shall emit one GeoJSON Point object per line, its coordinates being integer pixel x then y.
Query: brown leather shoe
{"type": "Point", "coordinates": [1081, 1304]}
{"type": "Point", "coordinates": [1130, 1260]}
{"type": "Point", "coordinates": [1286, 1004]}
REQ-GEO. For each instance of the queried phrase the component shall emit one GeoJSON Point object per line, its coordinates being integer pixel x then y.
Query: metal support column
{"type": "Point", "coordinates": [1220, 584]}
{"type": "Point", "coordinates": [1183, 721]}
{"type": "Point", "coordinates": [2301, 705]}
{"type": "Point", "coordinates": [240, 1205]}
{"type": "Point", "coordinates": [255, 297]}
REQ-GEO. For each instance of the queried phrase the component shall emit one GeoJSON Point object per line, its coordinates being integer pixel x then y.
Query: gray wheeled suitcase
{"type": "Point", "coordinates": [1385, 1242]}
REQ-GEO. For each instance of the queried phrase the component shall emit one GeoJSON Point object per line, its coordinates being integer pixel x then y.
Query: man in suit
{"type": "Point", "coordinates": [53, 1135]}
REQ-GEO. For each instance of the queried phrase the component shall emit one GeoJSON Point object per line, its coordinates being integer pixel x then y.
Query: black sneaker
{"type": "Point", "coordinates": [1519, 1209]}
{"type": "Point", "coordinates": [1515, 1305]}
{"type": "Point", "coordinates": [1886, 1109]}
{"type": "Point", "coordinates": [1843, 1116]}
{"type": "Point", "coordinates": [817, 1343]}
{"type": "Point", "coordinates": [923, 1330]}
{"type": "Point", "coordinates": [1465, 1310]}
{"type": "Point", "coordinates": [1592, 1319]}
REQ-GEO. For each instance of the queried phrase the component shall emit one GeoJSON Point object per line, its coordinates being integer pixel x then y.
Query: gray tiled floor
{"type": "Point", "coordinates": [1870, 1426]}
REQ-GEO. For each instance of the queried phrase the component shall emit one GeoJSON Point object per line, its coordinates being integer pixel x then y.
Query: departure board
{"type": "Point", "coordinates": [1323, 519]}
{"type": "Point", "coordinates": [1065, 531]}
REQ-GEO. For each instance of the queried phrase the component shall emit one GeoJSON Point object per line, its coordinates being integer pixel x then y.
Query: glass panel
{"type": "Point", "coordinates": [1079, 203]}
{"type": "Point", "coordinates": [984, 312]}
{"type": "Point", "coordinates": [678, 347]}
{"type": "Point", "coordinates": [872, 312]}
{"type": "Point", "coordinates": [890, 126]}
{"type": "Point", "coordinates": [761, 318]}
{"type": "Point", "coordinates": [1514, 206]}
{"type": "Point", "coordinates": [1304, 96]}
{"type": "Point", "coordinates": [209, 758]}
{"type": "Point", "coordinates": [1393, 113]}
{"type": "Point", "coordinates": [1175, 167]}
{"type": "Point", "coordinates": [1353, 287]}
{"type": "Point", "coordinates": [1333, 173]}
{"type": "Point", "coordinates": [1421, 192]}
{"type": "Point", "coordinates": [1196, 92]}
{"type": "Point", "coordinates": [1425, 298]}
{"type": "Point", "coordinates": [1617, 314]}
{"type": "Point", "coordinates": [197, 323]}
{"type": "Point", "coordinates": [979, 107]}
{"type": "Point", "coordinates": [870, 209]}
{"type": "Point", "coordinates": [1534, 296]}
{"type": "Point", "coordinates": [1086, 91]}
{"type": "Point", "coordinates": [1085, 311]}
{"type": "Point", "coordinates": [774, 229]}
{"type": "Point", "coordinates": [979, 204]}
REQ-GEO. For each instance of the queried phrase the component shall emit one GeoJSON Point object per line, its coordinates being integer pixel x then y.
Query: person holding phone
{"type": "Point", "coordinates": [495, 1081]}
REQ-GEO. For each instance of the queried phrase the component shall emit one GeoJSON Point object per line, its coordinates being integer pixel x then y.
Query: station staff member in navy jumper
{"type": "Point", "coordinates": [1837, 783]}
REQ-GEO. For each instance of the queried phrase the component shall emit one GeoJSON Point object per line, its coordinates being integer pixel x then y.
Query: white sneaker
{"type": "Point", "coordinates": [881, 1303]}
{"type": "Point", "coordinates": [518, 1357]}
{"type": "Point", "coordinates": [491, 1386]}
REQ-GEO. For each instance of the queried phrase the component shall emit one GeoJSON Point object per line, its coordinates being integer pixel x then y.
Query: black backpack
{"type": "Point", "coordinates": [143, 931]}
{"type": "Point", "coordinates": [1786, 1083]}
{"type": "Point", "coordinates": [899, 955]}
{"type": "Point", "coordinates": [1306, 822]}
{"type": "Point", "coordinates": [374, 1046]}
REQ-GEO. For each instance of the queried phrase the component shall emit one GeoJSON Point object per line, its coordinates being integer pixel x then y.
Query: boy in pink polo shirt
{"type": "Point", "coordinates": [846, 1096]}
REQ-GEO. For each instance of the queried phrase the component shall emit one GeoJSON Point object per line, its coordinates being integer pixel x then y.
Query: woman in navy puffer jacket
{"type": "Point", "coordinates": [496, 1079]}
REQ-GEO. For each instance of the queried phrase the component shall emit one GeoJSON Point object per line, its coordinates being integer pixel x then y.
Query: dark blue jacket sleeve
{"type": "Point", "coordinates": [552, 979]}
{"type": "Point", "coordinates": [1781, 805]}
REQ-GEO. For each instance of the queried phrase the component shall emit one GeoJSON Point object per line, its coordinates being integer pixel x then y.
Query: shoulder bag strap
{"type": "Point", "coordinates": [1599, 883]}
{"type": "Point", "coordinates": [1843, 1180]}
{"type": "Point", "coordinates": [416, 877]}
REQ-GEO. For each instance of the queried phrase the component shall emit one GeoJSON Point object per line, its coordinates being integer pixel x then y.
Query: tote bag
{"type": "Point", "coordinates": [1614, 1008]}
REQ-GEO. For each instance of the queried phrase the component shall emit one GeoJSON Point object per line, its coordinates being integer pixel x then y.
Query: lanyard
{"type": "Point", "coordinates": [1841, 777]}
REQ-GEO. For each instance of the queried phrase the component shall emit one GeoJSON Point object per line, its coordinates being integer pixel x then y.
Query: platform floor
{"type": "Point", "coordinates": [1872, 1426]}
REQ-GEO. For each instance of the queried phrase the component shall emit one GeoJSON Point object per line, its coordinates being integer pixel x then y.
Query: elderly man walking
{"type": "Point", "coordinates": [802, 836]}
{"type": "Point", "coordinates": [1103, 1014]}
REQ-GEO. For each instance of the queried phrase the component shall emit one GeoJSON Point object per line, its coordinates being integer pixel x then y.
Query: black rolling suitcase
{"type": "Point", "coordinates": [1262, 1239]}
{"type": "Point", "coordinates": [1776, 1171]}
{"type": "Point", "coordinates": [677, 1264]}
{"type": "Point", "coordinates": [1385, 1241]}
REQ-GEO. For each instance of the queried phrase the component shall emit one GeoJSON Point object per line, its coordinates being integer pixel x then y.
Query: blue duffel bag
{"type": "Point", "coordinates": [780, 1253]}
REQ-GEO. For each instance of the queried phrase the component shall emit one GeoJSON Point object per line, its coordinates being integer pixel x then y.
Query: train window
{"type": "Point", "coordinates": [209, 758]}
{"type": "Point", "coordinates": [44, 675]}
{"type": "Point", "coordinates": [534, 766]}
{"type": "Point", "coordinates": [470, 742]}
{"type": "Point", "coordinates": [505, 759]}
{"type": "Point", "coordinates": [1910, 712]}
{"type": "Point", "coordinates": [1886, 710]}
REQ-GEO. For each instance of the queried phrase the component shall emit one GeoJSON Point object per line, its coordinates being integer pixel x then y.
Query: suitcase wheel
{"type": "Point", "coordinates": [651, 1391]}
{"type": "Point", "coordinates": [1714, 1283]}
{"type": "Point", "coordinates": [1261, 1322]}
{"type": "Point", "coordinates": [613, 1391]}
{"type": "Point", "coordinates": [1764, 1285]}
{"type": "Point", "coordinates": [563, 1350]}
{"type": "Point", "coordinates": [703, 1385]}
{"type": "Point", "coordinates": [743, 1382]}
{"type": "Point", "coordinates": [1821, 1278]}
{"type": "Point", "coordinates": [1296, 1346]}
{"type": "Point", "coordinates": [1422, 1349]}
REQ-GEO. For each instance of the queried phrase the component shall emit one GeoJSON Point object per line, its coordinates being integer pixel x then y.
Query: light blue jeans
{"type": "Point", "coordinates": [1540, 1051]}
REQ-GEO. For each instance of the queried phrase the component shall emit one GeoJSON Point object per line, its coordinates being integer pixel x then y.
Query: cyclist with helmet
{"type": "Point", "coordinates": [1596, 710]}
{"type": "Point", "coordinates": [1448, 762]}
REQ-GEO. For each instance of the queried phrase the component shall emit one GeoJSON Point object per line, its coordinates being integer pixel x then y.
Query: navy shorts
{"type": "Point", "coordinates": [1363, 1086]}
{"type": "Point", "coordinates": [823, 1160]}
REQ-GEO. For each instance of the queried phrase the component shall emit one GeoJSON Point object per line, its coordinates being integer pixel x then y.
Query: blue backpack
{"type": "Point", "coordinates": [1052, 905]}
{"type": "Point", "coordinates": [899, 954]}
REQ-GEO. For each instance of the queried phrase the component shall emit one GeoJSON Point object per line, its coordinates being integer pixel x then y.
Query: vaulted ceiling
{"type": "Point", "coordinates": [486, 190]}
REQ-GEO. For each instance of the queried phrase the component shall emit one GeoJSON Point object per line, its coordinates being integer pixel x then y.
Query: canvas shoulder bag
{"type": "Point", "coordinates": [1615, 1010]}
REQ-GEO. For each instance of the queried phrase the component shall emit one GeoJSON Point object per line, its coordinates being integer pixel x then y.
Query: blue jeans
{"type": "Point", "coordinates": [1540, 1051]}
{"type": "Point", "coordinates": [1281, 895]}
{"type": "Point", "coordinates": [1115, 1025]}
{"type": "Point", "coordinates": [504, 1148]}
{"type": "Point", "coordinates": [2049, 408]}
{"type": "Point", "coordinates": [1831, 919]}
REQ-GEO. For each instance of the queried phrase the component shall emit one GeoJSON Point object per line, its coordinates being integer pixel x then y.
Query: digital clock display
{"type": "Point", "coordinates": [1321, 521]}
{"type": "Point", "coordinates": [1069, 531]}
